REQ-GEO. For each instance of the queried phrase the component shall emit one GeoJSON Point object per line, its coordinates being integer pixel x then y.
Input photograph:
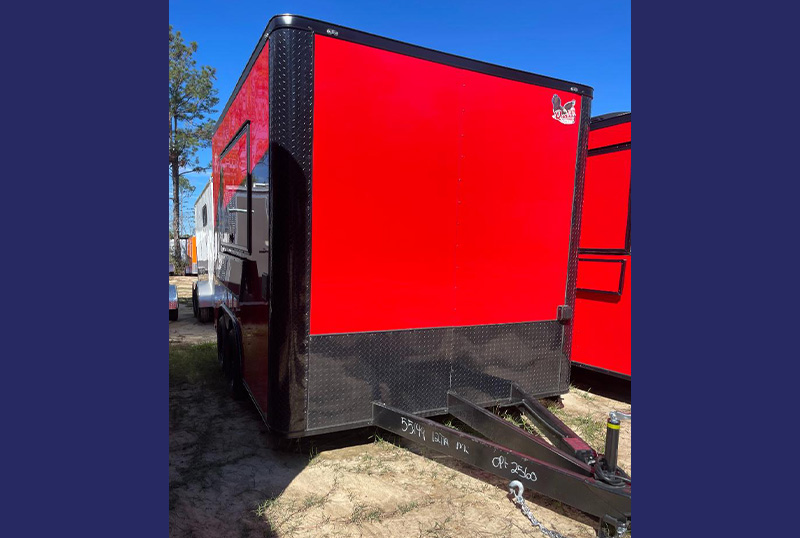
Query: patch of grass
{"type": "Point", "coordinates": [363, 513]}
{"type": "Point", "coordinates": [449, 423]}
{"type": "Point", "coordinates": [585, 394]}
{"type": "Point", "coordinates": [262, 508]}
{"type": "Point", "coordinates": [407, 507]}
{"type": "Point", "coordinates": [195, 364]}
{"type": "Point", "coordinates": [439, 530]}
{"type": "Point", "coordinates": [517, 421]}
{"type": "Point", "coordinates": [313, 456]}
{"type": "Point", "coordinates": [369, 464]}
{"type": "Point", "coordinates": [556, 409]}
{"type": "Point", "coordinates": [392, 444]}
{"type": "Point", "coordinates": [590, 428]}
{"type": "Point", "coordinates": [314, 500]}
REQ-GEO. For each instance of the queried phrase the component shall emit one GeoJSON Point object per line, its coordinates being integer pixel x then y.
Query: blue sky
{"type": "Point", "coordinates": [580, 41]}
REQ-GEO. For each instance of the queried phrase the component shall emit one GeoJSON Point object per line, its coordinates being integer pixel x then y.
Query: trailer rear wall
{"type": "Point", "coordinates": [441, 197]}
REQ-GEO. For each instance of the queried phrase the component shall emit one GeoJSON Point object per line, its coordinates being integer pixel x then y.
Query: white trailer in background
{"type": "Point", "coordinates": [204, 228]}
{"type": "Point", "coordinates": [204, 296]}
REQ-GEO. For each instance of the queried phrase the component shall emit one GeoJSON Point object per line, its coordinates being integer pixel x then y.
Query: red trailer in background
{"type": "Point", "coordinates": [602, 325]}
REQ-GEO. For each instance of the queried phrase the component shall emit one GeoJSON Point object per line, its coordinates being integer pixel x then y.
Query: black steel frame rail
{"type": "Point", "coordinates": [554, 428]}
{"type": "Point", "coordinates": [563, 472]}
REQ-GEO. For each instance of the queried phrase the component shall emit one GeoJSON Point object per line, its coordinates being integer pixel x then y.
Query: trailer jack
{"type": "Point", "coordinates": [568, 470]}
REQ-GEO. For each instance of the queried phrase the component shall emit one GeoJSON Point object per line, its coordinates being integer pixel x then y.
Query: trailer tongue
{"type": "Point", "coordinates": [568, 471]}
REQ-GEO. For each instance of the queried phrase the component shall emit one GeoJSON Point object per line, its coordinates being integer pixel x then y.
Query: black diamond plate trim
{"type": "Point", "coordinates": [291, 93]}
{"type": "Point", "coordinates": [489, 357]}
{"type": "Point", "coordinates": [410, 368]}
{"type": "Point", "coordinates": [575, 235]}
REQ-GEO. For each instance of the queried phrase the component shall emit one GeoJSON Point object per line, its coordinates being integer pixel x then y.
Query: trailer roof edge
{"type": "Point", "coordinates": [345, 33]}
{"type": "Point", "coordinates": [610, 119]}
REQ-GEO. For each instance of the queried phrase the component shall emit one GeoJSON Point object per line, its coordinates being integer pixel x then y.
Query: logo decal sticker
{"type": "Point", "coordinates": [564, 113]}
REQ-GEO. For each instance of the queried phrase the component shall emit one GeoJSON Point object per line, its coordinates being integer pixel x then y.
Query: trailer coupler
{"type": "Point", "coordinates": [565, 470]}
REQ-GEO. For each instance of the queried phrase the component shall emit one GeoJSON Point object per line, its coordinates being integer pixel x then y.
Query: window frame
{"type": "Point", "coordinates": [244, 130]}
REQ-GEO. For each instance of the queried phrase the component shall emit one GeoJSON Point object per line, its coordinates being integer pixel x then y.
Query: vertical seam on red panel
{"type": "Point", "coordinates": [459, 179]}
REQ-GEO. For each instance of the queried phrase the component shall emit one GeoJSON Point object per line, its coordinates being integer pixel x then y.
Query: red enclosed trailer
{"type": "Point", "coordinates": [415, 250]}
{"type": "Point", "coordinates": [420, 231]}
{"type": "Point", "coordinates": [602, 335]}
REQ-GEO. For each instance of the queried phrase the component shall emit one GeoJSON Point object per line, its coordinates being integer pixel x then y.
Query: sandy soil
{"type": "Point", "coordinates": [229, 477]}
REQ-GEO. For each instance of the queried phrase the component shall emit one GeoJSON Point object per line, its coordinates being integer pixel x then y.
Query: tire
{"type": "Point", "coordinates": [205, 314]}
{"type": "Point", "coordinates": [228, 353]}
{"type": "Point", "coordinates": [195, 309]}
{"type": "Point", "coordinates": [173, 315]}
{"type": "Point", "coordinates": [233, 371]}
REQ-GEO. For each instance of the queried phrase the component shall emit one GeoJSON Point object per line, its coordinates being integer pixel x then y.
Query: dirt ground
{"type": "Point", "coordinates": [229, 477]}
{"type": "Point", "coordinates": [188, 330]}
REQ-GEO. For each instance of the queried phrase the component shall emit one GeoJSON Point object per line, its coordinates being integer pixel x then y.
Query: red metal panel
{"type": "Point", "coordinates": [517, 182]}
{"type": "Point", "coordinates": [605, 200]}
{"type": "Point", "coordinates": [609, 136]}
{"type": "Point", "coordinates": [251, 103]}
{"type": "Point", "coordinates": [600, 274]}
{"type": "Point", "coordinates": [440, 196]}
{"type": "Point", "coordinates": [234, 169]}
{"type": "Point", "coordinates": [384, 190]}
{"type": "Point", "coordinates": [602, 325]}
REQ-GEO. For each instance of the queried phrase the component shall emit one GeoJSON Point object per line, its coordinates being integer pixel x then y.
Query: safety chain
{"type": "Point", "coordinates": [515, 488]}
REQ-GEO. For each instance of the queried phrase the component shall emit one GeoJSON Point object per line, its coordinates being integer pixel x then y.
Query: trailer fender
{"type": "Point", "coordinates": [205, 298]}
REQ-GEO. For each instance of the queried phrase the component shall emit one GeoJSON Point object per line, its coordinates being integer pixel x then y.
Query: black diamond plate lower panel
{"type": "Point", "coordinates": [413, 370]}
{"type": "Point", "coordinates": [410, 369]}
{"type": "Point", "coordinates": [489, 357]}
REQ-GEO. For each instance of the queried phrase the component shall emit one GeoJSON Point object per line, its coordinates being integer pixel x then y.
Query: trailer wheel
{"type": "Point", "coordinates": [205, 314]}
{"type": "Point", "coordinates": [173, 315]}
{"type": "Point", "coordinates": [228, 355]}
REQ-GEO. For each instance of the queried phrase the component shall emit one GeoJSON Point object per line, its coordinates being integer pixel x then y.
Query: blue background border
{"type": "Point", "coordinates": [86, 383]}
